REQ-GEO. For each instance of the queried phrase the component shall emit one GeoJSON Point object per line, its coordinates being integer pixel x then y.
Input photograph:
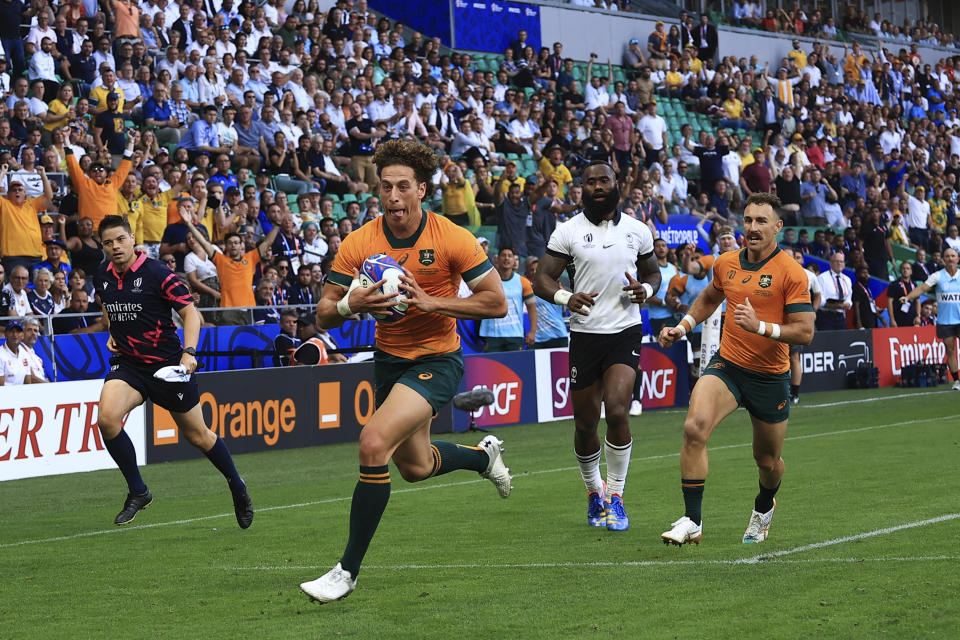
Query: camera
{"type": "Point", "coordinates": [213, 202]}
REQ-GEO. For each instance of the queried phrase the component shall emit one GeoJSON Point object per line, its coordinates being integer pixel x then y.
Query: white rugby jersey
{"type": "Point", "coordinates": [599, 255]}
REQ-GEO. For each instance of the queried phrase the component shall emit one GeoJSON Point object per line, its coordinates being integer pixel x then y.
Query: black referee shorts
{"type": "Point", "coordinates": [176, 397]}
{"type": "Point", "coordinates": [591, 354]}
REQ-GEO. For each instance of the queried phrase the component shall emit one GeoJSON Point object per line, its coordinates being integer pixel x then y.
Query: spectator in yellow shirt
{"type": "Point", "coordinates": [20, 238]}
{"type": "Point", "coordinates": [552, 168]}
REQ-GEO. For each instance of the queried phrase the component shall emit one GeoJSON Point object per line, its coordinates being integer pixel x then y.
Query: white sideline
{"type": "Point", "coordinates": [575, 565]}
{"type": "Point", "coordinates": [87, 534]}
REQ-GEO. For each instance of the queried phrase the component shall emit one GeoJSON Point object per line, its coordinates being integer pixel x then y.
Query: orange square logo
{"type": "Point", "coordinates": [165, 430]}
{"type": "Point", "coordinates": [328, 412]}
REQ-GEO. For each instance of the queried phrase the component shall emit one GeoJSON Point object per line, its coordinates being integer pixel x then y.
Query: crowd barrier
{"type": "Point", "coordinates": [47, 433]}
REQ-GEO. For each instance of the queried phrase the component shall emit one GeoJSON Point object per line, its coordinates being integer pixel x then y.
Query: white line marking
{"type": "Point", "coordinates": [860, 536]}
{"type": "Point", "coordinates": [589, 565]}
{"type": "Point", "coordinates": [442, 486]}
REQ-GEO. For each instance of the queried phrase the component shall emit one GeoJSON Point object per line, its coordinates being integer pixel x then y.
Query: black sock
{"type": "Point", "coordinates": [448, 457]}
{"type": "Point", "coordinates": [121, 450]}
{"type": "Point", "coordinates": [370, 499]}
{"type": "Point", "coordinates": [693, 498]}
{"type": "Point", "coordinates": [764, 500]}
{"type": "Point", "coordinates": [219, 455]}
{"type": "Point", "coordinates": [955, 374]}
{"type": "Point", "coordinates": [794, 389]}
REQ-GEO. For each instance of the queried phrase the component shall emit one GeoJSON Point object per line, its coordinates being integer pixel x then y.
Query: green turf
{"type": "Point", "coordinates": [452, 560]}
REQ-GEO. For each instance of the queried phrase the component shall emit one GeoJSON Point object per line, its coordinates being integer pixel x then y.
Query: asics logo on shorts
{"type": "Point", "coordinates": [425, 376]}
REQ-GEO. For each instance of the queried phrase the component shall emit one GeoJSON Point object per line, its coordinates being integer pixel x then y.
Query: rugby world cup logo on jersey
{"type": "Point", "coordinates": [136, 285]}
{"type": "Point", "coordinates": [588, 241]}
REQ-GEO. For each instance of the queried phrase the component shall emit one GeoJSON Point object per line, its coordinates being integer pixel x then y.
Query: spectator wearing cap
{"type": "Point", "coordinates": [54, 262]}
{"type": "Point", "coordinates": [14, 359]}
{"type": "Point", "coordinates": [109, 129]}
{"type": "Point", "coordinates": [633, 57]}
{"type": "Point", "coordinates": [783, 83]}
{"type": "Point", "coordinates": [20, 235]}
{"type": "Point", "coordinates": [657, 47]}
{"type": "Point", "coordinates": [97, 193]}
{"type": "Point", "coordinates": [27, 174]}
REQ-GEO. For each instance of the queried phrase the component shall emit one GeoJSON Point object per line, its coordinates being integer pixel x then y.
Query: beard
{"type": "Point", "coordinates": [596, 210]}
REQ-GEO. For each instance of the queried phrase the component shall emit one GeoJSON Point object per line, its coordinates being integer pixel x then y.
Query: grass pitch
{"type": "Point", "coordinates": [864, 542]}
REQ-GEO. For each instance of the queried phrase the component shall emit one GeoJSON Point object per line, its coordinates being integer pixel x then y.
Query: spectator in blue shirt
{"type": "Point", "coordinates": [55, 249]}
{"type": "Point", "coordinates": [916, 110]}
{"type": "Point", "coordinates": [222, 176]}
{"type": "Point", "coordinates": [156, 113]}
{"type": "Point", "coordinates": [202, 136]}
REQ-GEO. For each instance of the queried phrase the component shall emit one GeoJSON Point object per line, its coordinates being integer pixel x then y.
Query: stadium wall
{"type": "Point", "coordinates": [46, 432]}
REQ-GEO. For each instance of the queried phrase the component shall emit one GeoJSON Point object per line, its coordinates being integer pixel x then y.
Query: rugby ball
{"type": "Point", "coordinates": [383, 267]}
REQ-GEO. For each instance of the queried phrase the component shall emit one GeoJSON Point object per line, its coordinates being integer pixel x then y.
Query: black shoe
{"type": "Point", "coordinates": [130, 508]}
{"type": "Point", "coordinates": [243, 507]}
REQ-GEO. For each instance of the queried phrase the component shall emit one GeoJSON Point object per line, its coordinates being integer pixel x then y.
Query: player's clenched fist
{"type": "Point", "coordinates": [669, 335]}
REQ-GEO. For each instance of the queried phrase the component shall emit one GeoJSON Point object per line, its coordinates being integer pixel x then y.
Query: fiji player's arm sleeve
{"type": "Point", "coordinates": [174, 292]}
{"type": "Point", "coordinates": [468, 258]}
{"type": "Point", "coordinates": [558, 245]}
{"type": "Point", "coordinates": [347, 259]}
{"type": "Point", "coordinates": [796, 292]}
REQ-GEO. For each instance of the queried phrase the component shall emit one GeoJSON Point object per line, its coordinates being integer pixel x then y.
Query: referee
{"type": "Point", "coordinates": [136, 294]}
{"type": "Point", "coordinates": [605, 330]}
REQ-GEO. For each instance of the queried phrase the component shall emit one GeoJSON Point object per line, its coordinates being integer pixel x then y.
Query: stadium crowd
{"type": "Point", "coordinates": [237, 139]}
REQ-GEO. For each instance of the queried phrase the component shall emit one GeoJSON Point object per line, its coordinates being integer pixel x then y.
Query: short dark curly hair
{"type": "Point", "coordinates": [761, 198]}
{"type": "Point", "coordinates": [418, 157]}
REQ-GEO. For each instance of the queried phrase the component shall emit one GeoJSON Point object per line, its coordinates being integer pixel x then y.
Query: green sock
{"type": "Point", "coordinates": [693, 498]}
{"type": "Point", "coordinates": [448, 457]}
{"type": "Point", "coordinates": [370, 499]}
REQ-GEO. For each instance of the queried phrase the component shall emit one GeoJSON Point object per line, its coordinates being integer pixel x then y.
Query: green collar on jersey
{"type": "Point", "coordinates": [405, 243]}
{"type": "Point", "coordinates": [746, 265]}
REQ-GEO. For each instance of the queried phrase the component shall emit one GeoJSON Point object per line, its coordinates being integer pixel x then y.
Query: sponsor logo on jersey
{"type": "Point", "coordinates": [746, 280]}
{"type": "Point", "coordinates": [426, 257]}
{"type": "Point", "coordinates": [403, 258]}
{"type": "Point", "coordinates": [765, 280]}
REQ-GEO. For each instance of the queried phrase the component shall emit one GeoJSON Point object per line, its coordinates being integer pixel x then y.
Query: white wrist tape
{"type": "Point", "coordinates": [762, 329]}
{"type": "Point", "coordinates": [774, 331]}
{"type": "Point", "coordinates": [562, 297]}
{"type": "Point", "coordinates": [648, 289]}
{"type": "Point", "coordinates": [689, 320]}
{"type": "Point", "coordinates": [343, 307]}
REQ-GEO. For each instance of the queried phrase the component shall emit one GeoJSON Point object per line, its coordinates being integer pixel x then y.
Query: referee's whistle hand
{"type": "Point", "coordinates": [111, 345]}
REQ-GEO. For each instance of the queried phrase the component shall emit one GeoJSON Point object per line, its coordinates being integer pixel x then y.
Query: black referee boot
{"type": "Point", "coordinates": [133, 504]}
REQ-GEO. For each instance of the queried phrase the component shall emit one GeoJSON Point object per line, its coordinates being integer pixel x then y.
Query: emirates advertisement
{"type": "Point", "coordinates": [900, 346]}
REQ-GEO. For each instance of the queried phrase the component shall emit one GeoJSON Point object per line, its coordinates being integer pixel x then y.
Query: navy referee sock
{"type": "Point", "coordinates": [121, 450]}
{"type": "Point", "coordinates": [220, 456]}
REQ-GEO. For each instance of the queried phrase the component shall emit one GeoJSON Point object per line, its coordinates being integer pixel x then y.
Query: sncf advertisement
{"type": "Point", "coordinates": [664, 380]}
{"type": "Point", "coordinates": [45, 432]}
{"type": "Point", "coordinates": [512, 378]}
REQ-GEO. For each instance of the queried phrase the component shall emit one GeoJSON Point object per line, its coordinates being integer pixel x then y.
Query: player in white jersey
{"type": "Point", "coordinates": [796, 369]}
{"type": "Point", "coordinates": [599, 245]}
